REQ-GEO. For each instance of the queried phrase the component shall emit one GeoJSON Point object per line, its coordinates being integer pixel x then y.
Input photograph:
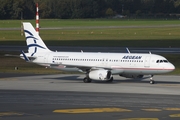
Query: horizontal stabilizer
{"type": "Point", "coordinates": [128, 50]}
{"type": "Point", "coordinates": [9, 55]}
{"type": "Point", "coordinates": [25, 57]}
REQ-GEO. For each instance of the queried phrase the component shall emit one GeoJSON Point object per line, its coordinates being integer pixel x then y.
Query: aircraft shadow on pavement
{"type": "Point", "coordinates": [145, 81]}
{"type": "Point", "coordinates": [77, 78]}
{"type": "Point", "coordinates": [73, 78]}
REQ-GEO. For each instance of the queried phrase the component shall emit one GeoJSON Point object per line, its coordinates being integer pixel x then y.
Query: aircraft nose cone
{"type": "Point", "coordinates": [172, 67]}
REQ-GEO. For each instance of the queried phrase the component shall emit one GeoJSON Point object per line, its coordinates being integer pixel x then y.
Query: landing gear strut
{"type": "Point", "coordinates": [87, 79]}
{"type": "Point", "coordinates": [151, 80]}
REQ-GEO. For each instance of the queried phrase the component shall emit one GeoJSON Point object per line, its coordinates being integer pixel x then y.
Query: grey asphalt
{"type": "Point", "coordinates": [38, 96]}
{"type": "Point", "coordinates": [10, 75]}
{"type": "Point", "coordinates": [39, 105]}
{"type": "Point", "coordinates": [74, 82]}
{"type": "Point", "coordinates": [97, 49]}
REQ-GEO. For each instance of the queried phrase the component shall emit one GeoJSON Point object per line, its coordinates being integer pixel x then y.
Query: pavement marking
{"type": "Point", "coordinates": [140, 119]}
{"type": "Point", "coordinates": [172, 109]}
{"type": "Point", "coordinates": [10, 114]}
{"type": "Point", "coordinates": [7, 79]}
{"type": "Point", "coordinates": [91, 110]}
{"type": "Point", "coordinates": [175, 115]}
{"type": "Point", "coordinates": [169, 85]}
{"type": "Point", "coordinates": [152, 110]}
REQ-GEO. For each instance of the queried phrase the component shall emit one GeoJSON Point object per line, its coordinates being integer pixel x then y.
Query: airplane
{"type": "Point", "coordinates": [96, 66]}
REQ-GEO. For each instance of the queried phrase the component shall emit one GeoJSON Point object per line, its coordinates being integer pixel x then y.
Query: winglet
{"type": "Point", "coordinates": [128, 50]}
{"type": "Point", "coordinates": [25, 57]}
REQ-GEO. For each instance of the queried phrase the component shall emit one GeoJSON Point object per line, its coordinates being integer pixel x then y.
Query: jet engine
{"type": "Point", "coordinates": [131, 76]}
{"type": "Point", "coordinates": [100, 74]}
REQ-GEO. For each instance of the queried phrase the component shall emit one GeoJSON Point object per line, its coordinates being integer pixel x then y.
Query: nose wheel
{"type": "Point", "coordinates": [151, 80]}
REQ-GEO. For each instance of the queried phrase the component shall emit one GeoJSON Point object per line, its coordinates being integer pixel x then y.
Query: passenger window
{"type": "Point", "coordinates": [157, 61]}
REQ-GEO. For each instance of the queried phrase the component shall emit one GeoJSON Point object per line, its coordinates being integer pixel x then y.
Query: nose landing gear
{"type": "Point", "coordinates": [151, 80]}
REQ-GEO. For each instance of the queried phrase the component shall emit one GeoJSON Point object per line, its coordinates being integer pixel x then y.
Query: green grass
{"type": "Point", "coordinates": [113, 34]}
{"type": "Point", "coordinates": [85, 34]}
{"type": "Point", "coordinates": [88, 22]}
{"type": "Point", "coordinates": [122, 37]}
{"type": "Point", "coordinates": [136, 37]}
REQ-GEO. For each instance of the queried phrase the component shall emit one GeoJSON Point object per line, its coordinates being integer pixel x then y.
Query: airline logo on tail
{"type": "Point", "coordinates": [35, 40]}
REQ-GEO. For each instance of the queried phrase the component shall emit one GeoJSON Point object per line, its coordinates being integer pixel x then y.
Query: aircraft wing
{"type": "Point", "coordinates": [80, 67]}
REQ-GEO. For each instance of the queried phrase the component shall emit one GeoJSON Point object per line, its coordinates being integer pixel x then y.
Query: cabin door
{"type": "Point", "coordinates": [147, 61]}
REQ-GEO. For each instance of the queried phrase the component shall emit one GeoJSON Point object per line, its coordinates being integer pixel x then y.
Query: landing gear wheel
{"type": "Point", "coordinates": [152, 82]}
{"type": "Point", "coordinates": [111, 80]}
{"type": "Point", "coordinates": [87, 80]}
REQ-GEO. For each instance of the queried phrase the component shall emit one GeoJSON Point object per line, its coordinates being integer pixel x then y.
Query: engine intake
{"type": "Point", "coordinates": [100, 74]}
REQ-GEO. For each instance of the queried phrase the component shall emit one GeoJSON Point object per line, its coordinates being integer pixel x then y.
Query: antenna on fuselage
{"type": "Point", "coordinates": [128, 50]}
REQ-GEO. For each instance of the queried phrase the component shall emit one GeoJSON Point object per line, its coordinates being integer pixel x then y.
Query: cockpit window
{"type": "Point", "coordinates": [165, 61]}
{"type": "Point", "coordinates": [162, 61]}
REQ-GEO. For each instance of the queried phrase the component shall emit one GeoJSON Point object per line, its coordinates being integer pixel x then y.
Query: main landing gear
{"type": "Point", "coordinates": [111, 80]}
{"type": "Point", "coordinates": [151, 80]}
{"type": "Point", "coordinates": [87, 80]}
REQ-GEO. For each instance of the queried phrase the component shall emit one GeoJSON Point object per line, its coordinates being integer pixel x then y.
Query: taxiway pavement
{"type": "Point", "coordinates": [74, 82]}
{"type": "Point", "coordinates": [65, 96]}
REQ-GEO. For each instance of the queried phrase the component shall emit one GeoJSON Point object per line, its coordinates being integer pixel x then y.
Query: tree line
{"type": "Point", "coordinates": [76, 9]}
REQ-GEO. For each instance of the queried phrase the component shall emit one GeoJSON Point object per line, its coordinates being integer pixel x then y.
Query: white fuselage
{"type": "Point", "coordinates": [97, 66]}
{"type": "Point", "coordinates": [118, 63]}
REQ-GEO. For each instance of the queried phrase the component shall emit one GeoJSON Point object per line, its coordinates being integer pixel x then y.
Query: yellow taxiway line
{"type": "Point", "coordinates": [10, 114]}
{"type": "Point", "coordinates": [140, 119]}
{"type": "Point", "coordinates": [91, 110]}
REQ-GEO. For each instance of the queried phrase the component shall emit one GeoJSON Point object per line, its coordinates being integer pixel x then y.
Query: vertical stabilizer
{"type": "Point", "coordinates": [34, 42]}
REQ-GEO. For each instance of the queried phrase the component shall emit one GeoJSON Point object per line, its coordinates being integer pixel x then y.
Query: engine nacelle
{"type": "Point", "coordinates": [131, 76]}
{"type": "Point", "coordinates": [100, 74]}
